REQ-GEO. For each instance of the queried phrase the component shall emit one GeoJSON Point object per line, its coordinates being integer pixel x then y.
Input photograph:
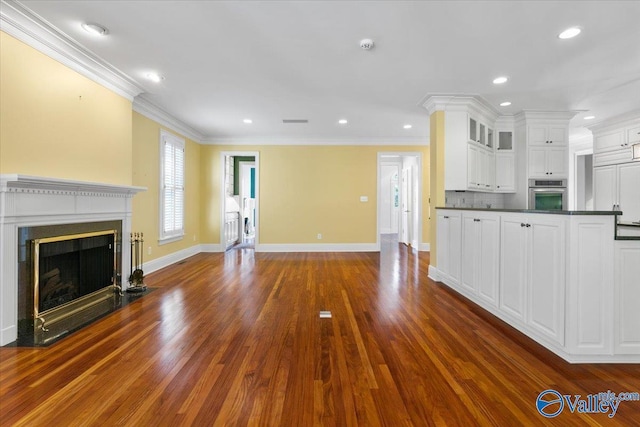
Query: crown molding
{"type": "Point", "coordinates": [622, 120]}
{"type": "Point", "coordinates": [399, 141]}
{"type": "Point", "coordinates": [545, 115]}
{"type": "Point", "coordinates": [150, 110]}
{"type": "Point", "coordinates": [26, 26]}
{"type": "Point", "coordinates": [460, 102]}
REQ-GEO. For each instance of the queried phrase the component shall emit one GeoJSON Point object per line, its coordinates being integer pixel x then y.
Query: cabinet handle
{"type": "Point", "coordinates": [476, 220]}
{"type": "Point", "coordinates": [528, 225]}
{"type": "Point", "coordinates": [522, 224]}
{"type": "Point", "coordinates": [446, 217]}
{"type": "Point", "coordinates": [487, 185]}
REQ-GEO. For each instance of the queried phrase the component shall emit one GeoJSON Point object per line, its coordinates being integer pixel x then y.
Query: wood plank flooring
{"type": "Point", "coordinates": [236, 339]}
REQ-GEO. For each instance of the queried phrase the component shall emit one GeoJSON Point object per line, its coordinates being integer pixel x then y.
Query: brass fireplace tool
{"type": "Point", "coordinates": [136, 278]}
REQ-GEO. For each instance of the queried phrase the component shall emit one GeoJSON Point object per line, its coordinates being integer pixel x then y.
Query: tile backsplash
{"type": "Point", "coordinates": [470, 199]}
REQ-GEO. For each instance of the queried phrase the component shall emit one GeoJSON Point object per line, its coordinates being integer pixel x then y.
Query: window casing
{"type": "Point", "coordinates": [171, 187]}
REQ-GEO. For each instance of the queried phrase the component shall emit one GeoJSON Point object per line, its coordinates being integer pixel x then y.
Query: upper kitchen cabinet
{"type": "Point", "coordinates": [469, 142]}
{"type": "Point", "coordinates": [548, 135]}
{"type": "Point", "coordinates": [505, 140]}
{"type": "Point", "coordinates": [613, 141]}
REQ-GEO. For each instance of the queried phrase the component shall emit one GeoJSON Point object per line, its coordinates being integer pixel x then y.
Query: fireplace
{"type": "Point", "coordinates": [69, 274]}
{"type": "Point", "coordinates": [75, 230]}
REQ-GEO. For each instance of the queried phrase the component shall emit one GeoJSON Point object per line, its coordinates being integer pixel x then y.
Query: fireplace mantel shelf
{"type": "Point", "coordinates": [15, 182]}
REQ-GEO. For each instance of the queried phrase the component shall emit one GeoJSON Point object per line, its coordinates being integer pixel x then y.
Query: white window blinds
{"type": "Point", "coordinates": [171, 186]}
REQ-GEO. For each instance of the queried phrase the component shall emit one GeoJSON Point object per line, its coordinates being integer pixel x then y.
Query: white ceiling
{"type": "Point", "coordinates": [225, 61]}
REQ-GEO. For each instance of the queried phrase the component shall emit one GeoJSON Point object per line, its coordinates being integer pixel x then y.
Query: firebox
{"type": "Point", "coordinates": [71, 276]}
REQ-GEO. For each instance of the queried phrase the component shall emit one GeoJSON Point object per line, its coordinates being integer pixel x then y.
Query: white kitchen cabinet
{"type": "Point", "coordinates": [532, 273]}
{"type": "Point", "coordinates": [547, 135]}
{"type": "Point", "coordinates": [609, 141]}
{"type": "Point", "coordinates": [633, 135]}
{"type": "Point", "coordinates": [505, 172]}
{"type": "Point", "coordinates": [480, 168]}
{"type": "Point", "coordinates": [547, 162]}
{"type": "Point", "coordinates": [480, 256]}
{"type": "Point", "coordinates": [627, 291]}
{"type": "Point", "coordinates": [449, 241]}
{"type": "Point", "coordinates": [618, 185]}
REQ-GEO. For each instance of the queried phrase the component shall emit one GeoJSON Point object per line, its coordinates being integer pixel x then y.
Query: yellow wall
{"type": "Point", "coordinates": [436, 148]}
{"type": "Point", "coordinates": [146, 173]}
{"type": "Point", "coordinates": [57, 123]}
{"type": "Point", "coordinates": [306, 190]}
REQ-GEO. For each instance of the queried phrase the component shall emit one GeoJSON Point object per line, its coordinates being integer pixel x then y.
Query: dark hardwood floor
{"type": "Point", "coordinates": [236, 339]}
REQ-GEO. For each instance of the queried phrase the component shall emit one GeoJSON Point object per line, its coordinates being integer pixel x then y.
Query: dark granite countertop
{"type": "Point", "coordinates": [629, 224]}
{"type": "Point", "coordinates": [532, 211]}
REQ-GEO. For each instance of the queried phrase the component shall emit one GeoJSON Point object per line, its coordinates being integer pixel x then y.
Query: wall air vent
{"type": "Point", "coordinates": [295, 121]}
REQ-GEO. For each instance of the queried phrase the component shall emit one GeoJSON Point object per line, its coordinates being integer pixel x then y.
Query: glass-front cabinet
{"type": "Point", "coordinates": [505, 140]}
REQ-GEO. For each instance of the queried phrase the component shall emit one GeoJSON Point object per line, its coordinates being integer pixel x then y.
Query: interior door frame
{"type": "Point", "coordinates": [223, 198]}
{"type": "Point", "coordinates": [383, 158]}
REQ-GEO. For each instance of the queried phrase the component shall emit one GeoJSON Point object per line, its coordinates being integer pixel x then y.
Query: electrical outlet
{"type": "Point", "coordinates": [319, 236]}
{"type": "Point", "coordinates": [149, 251]}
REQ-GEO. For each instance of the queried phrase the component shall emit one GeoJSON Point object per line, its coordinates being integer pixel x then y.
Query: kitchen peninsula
{"type": "Point", "coordinates": [566, 279]}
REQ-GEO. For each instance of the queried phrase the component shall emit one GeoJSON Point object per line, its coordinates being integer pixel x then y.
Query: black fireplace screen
{"type": "Point", "coordinates": [73, 266]}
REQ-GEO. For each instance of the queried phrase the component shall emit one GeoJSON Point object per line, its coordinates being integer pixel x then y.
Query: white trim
{"type": "Point", "coordinates": [177, 143]}
{"type": "Point", "coordinates": [317, 247]}
{"type": "Point", "coordinates": [460, 102]}
{"type": "Point", "coordinates": [211, 248]}
{"type": "Point", "coordinates": [287, 140]}
{"type": "Point", "coordinates": [22, 23]}
{"type": "Point", "coordinates": [172, 258]}
{"type": "Point", "coordinates": [143, 106]}
{"type": "Point", "coordinates": [223, 198]}
{"type": "Point", "coordinates": [424, 247]}
{"type": "Point", "coordinates": [434, 273]}
{"type": "Point", "coordinates": [419, 178]}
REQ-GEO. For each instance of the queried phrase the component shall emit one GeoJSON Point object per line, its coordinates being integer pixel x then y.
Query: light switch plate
{"type": "Point", "coordinates": [364, 199]}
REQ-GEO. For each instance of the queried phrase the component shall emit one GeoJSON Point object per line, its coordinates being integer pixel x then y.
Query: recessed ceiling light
{"type": "Point", "coordinates": [155, 77]}
{"type": "Point", "coordinates": [95, 29]}
{"type": "Point", "coordinates": [407, 126]}
{"type": "Point", "coordinates": [569, 33]}
{"type": "Point", "coordinates": [247, 121]}
{"type": "Point", "coordinates": [589, 117]}
{"type": "Point", "coordinates": [505, 104]}
{"type": "Point", "coordinates": [342, 121]}
{"type": "Point", "coordinates": [500, 80]}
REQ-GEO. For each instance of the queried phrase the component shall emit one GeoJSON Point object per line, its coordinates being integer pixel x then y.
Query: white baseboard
{"type": "Point", "coordinates": [424, 247]}
{"type": "Point", "coordinates": [316, 247]}
{"type": "Point", "coordinates": [212, 247]}
{"type": "Point", "coordinates": [167, 260]}
{"type": "Point", "coordinates": [434, 274]}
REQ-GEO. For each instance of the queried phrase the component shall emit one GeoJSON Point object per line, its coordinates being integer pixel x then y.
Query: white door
{"type": "Point", "coordinates": [489, 258]}
{"type": "Point", "coordinates": [389, 198]}
{"type": "Point", "coordinates": [470, 253]}
{"type": "Point", "coordinates": [406, 207]}
{"type": "Point", "coordinates": [513, 273]}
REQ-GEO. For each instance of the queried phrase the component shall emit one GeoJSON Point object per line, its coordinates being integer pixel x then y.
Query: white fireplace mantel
{"type": "Point", "coordinates": [27, 201]}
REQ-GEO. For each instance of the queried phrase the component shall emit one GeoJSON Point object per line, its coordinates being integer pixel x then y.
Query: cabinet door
{"type": "Point", "coordinates": [627, 292]}
{"type": "Point", "coordinates": [557, 162]}
{"type": "Point", "coordinates": [470, 252]}
{"type": "Point", "coordinates": [442, 241]}
{"type": "Point", "coordinates": [557, 135]}
{"type": "Point", "coordinates": [537, 163]}
{"type": "Point", "coordinates": [545, 296]}
{"type": "Point", "coordinates": [629, 191]}
{"type": "Point", "coordinates": [473, 130]}
{"type": "Point", "coordinates": [537, 135]}
{"type": "Point", "coordinates": [472, 167]}
{"type": "Point", "coordinates": [608, 142]}
{"type": "Point", "coordinates": [488, 170]}
{"type": "Point", "coordinates": [482, 134]}
{"type": "Point", "coordinates": [488, 260]}
{"type": "Point", "coordinates": [455, 242]}
{"type": "Point", "coordinates": [505, 172]}
{"type": "Point", "coordinates": [604, 188]}
{"type": "Point", "coordinates": [513, 266]}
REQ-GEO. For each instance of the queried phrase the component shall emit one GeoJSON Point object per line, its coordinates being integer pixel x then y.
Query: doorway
{"type": "Point", "coordinates": [239, 200]}
{"type": "Point", "coordinates": [399, 201]}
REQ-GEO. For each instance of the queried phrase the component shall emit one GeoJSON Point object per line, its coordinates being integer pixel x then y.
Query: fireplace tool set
{"type": "Point", "coordinates": [136, 277]}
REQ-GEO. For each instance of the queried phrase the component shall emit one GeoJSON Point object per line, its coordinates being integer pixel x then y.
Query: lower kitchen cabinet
{"type": "Point", "coordinates": [627, 283]}
{"type": "Point", "coordinates": [449, 240]}
{"type": "Point", "coordinates": [480, 255]}
{"type": "Point", "coordinates": [532, 273]}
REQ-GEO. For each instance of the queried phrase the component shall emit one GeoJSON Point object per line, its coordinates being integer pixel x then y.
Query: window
{"type": "Point", "coordinates": [171, 187]}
